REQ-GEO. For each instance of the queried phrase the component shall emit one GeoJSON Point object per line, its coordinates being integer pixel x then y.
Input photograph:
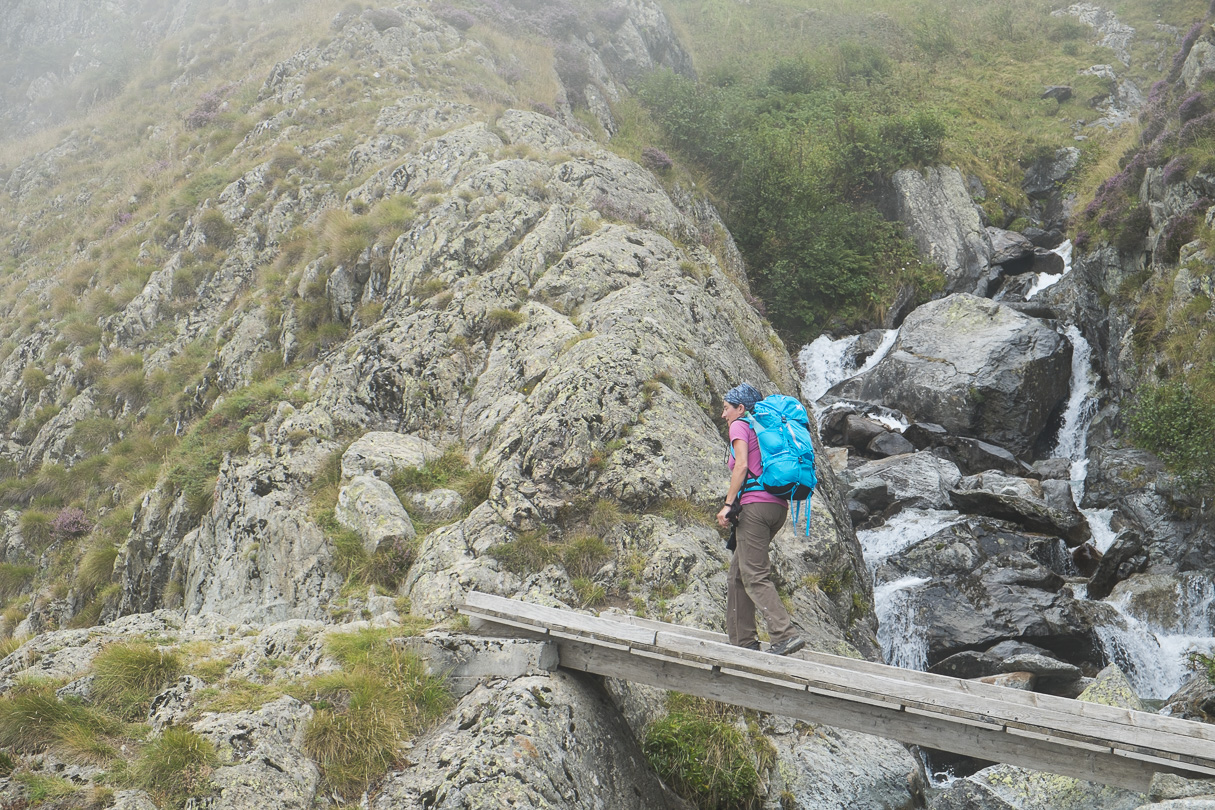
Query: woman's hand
{"type": "Point", "coordinates": [723, 517]}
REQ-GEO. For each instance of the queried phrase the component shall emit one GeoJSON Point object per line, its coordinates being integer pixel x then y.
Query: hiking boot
{"type": "Point", "coordinates": [789, 645]}
{"type": "Point", "coordinates": [753, 646]}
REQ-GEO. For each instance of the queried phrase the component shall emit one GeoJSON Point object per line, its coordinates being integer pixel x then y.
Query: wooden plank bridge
{"type": "Point", "coordinates": [1074, 738]}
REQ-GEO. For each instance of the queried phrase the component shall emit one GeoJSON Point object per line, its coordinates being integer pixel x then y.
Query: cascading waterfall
{"type": "Point", "coordinates": [826, 362]}
{"type": "Point", "coordinates": [1064, 251]}
{"type": "Point", "coordinates": [1152, 656]}
{"type": "Point", "coordinates": [903, 640]}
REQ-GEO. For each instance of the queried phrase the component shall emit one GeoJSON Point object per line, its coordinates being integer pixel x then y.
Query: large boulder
{"type": "Point", "coordinates": [916, 480]}
{"type": "Point", "coordinates": [942, 219]}
{"type": "Point", "coordinates": [975, 367]}
{"type": "Point", "coordinates": [542, 741]}
{"type": "Point", "coordinates": [987, 583]}
{"type": "Point", "coordinates": [1022, 501]}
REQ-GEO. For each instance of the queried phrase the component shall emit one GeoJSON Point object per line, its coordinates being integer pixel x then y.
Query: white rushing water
{"type": "Point", "coordinates": [902, 637]}
{"type": "Point", "coordinates": [1153, 652]}
{"type": "Point", "coordinates": [1046, 280]}
{"type": "Point", "coordinates": [1072, 442]}
{"type": "Point", "coordinates": [826, 362]}
{"type": "Point", "coordinates": [1152, 655]}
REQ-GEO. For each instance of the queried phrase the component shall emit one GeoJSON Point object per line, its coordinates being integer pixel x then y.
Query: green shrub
{"type": "Point", "coordinates": [128, 675]}
{"type": "Point", "coordinates": [451, 471]}
{"type": "Point", "coordinates": [1176, 423]}
{"type": "Point", "coordinates": [34, 379]}
{"type": "Point", "coordinates": [704, 757]}
{"type": "Point", "coordinates": [583, 555]}
{"type": "Point", "coordinates": [527, 553]}
{"type": "Point", "coordinates": [175, 766]}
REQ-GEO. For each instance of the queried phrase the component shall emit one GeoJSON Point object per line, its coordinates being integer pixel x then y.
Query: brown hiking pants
{"type": "Point", "coordinates": [750, 585]}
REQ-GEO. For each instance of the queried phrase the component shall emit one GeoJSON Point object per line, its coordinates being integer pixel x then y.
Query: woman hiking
{"type": "Point", "coordinates": [760, 515]}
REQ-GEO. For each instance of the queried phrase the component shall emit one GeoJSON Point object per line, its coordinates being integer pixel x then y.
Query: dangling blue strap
{"type": "Point", "coordinates": [808, 515]}
{"type": "Point", "coordinates": [797, 507]}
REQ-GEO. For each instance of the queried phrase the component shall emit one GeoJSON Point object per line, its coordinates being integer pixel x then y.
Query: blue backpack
{"type": "Point", "coordinates": [782, 429]}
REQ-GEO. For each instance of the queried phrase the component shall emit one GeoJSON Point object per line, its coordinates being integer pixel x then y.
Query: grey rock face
{"type": "Point", "coordinates": [975, 367]}
{"type": "Point", "coordinates": [938, 211]}
{"type": "Point", "coordinates": [380, 453]}
{"type": "Point", "coordinates": [466, 662]}
{"type": "Point", "coordinates": [263, 751]}
{"type": "Point", "coordinates": [370, 507]}
{"type": "Point", "coordinates": [875, 774]}
{"type": "Point", "coordinates": [531, 742]}
{"type": "Point", "coordinates": [1044, 177]}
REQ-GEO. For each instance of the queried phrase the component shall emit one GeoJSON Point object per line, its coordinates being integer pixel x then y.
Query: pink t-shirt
{"type": "Point", "coordinates": [741, 430]}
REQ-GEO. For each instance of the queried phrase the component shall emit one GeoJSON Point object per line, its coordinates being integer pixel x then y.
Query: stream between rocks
{"type": "Point", "coordinates": [1147, 624]}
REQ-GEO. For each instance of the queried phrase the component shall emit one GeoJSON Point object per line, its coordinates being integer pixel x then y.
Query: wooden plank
{"type": "Point", "coordinates": [930, 698]}
{"type": "Point", "coordinates": [931, 731]}
{"type": "Point", "coordinates": [966, 721]}
{"type": "Point", "coordinates": [555, 618]}
{"type": "Point", "coordinates": [500, 625]}
{"type": "Point", "coordinates": [1165, 764]}
{"type": "Point", "coordinates": [612, 645]}
{"type": "Point", "coordinates": [1034, 735]}
{"type": "Point", "coordinates": [980, 704]}
{"type": "Point", "coordinates": [661, 657]}
{"type": "Point", "coordinates": [1095, 711]}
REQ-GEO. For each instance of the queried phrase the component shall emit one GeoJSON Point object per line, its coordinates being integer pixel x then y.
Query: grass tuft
{"type": "Point", "coordinates": [129, 674]}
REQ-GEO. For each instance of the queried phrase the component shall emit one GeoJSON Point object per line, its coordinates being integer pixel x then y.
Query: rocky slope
{"type": "Point", "coordinates": [416, 333]}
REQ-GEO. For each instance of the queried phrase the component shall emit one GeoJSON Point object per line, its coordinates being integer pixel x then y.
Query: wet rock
{"type": "Point", "coordinates": [920, 480]}
{"type": "Point", "coordinates": [964, 794]}
{"type": "Point", "coordinates": [988, 583]}
{"type": "Point", "coordinates": [1043, 238]}
{"type": "Point", "coordinates": [1195, 700]}
{"type": "Point", "coordinates": [1014, 656]}
{"type": "Point", "coordinates": [859, 431]}
{"type": "Point", "coordinates": [966, 664]}
{"type": "Point", "coordinates": [1059, 469]}
{"type": "Point", "coordinates": [889, 444]}
{"type": "Point", "coordinates": [925, 434]}
{"type": "Point", "coordinates": [874, 493]}
{"type": "Point", "coordinates": [1007, 247]}
{"type": "Point", "coordinates": [1125, 557]}
{"type": "Point", "coordinates": [1034, 515]}
{"type": "Point", "coordinates": [976, 456]}
{"type": "Point", "coordinates": [1024, 681]}
{"type": "Point", "coordinates": [975, 367]}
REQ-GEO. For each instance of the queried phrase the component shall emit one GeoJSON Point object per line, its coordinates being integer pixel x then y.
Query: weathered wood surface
{"type": "Point", "coordinates": [1042, 732]}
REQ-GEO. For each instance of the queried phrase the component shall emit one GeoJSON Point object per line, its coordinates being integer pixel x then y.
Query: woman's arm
{"type": "Point", "coordinates": [737, 477]}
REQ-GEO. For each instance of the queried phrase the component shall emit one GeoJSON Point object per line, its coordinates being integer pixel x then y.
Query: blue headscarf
{"type": "Point", "coordinates": [743, 394]}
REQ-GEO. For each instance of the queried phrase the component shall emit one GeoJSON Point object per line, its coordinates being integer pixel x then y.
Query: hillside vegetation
{"type": "Point", "coordinates": [799, 114]}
